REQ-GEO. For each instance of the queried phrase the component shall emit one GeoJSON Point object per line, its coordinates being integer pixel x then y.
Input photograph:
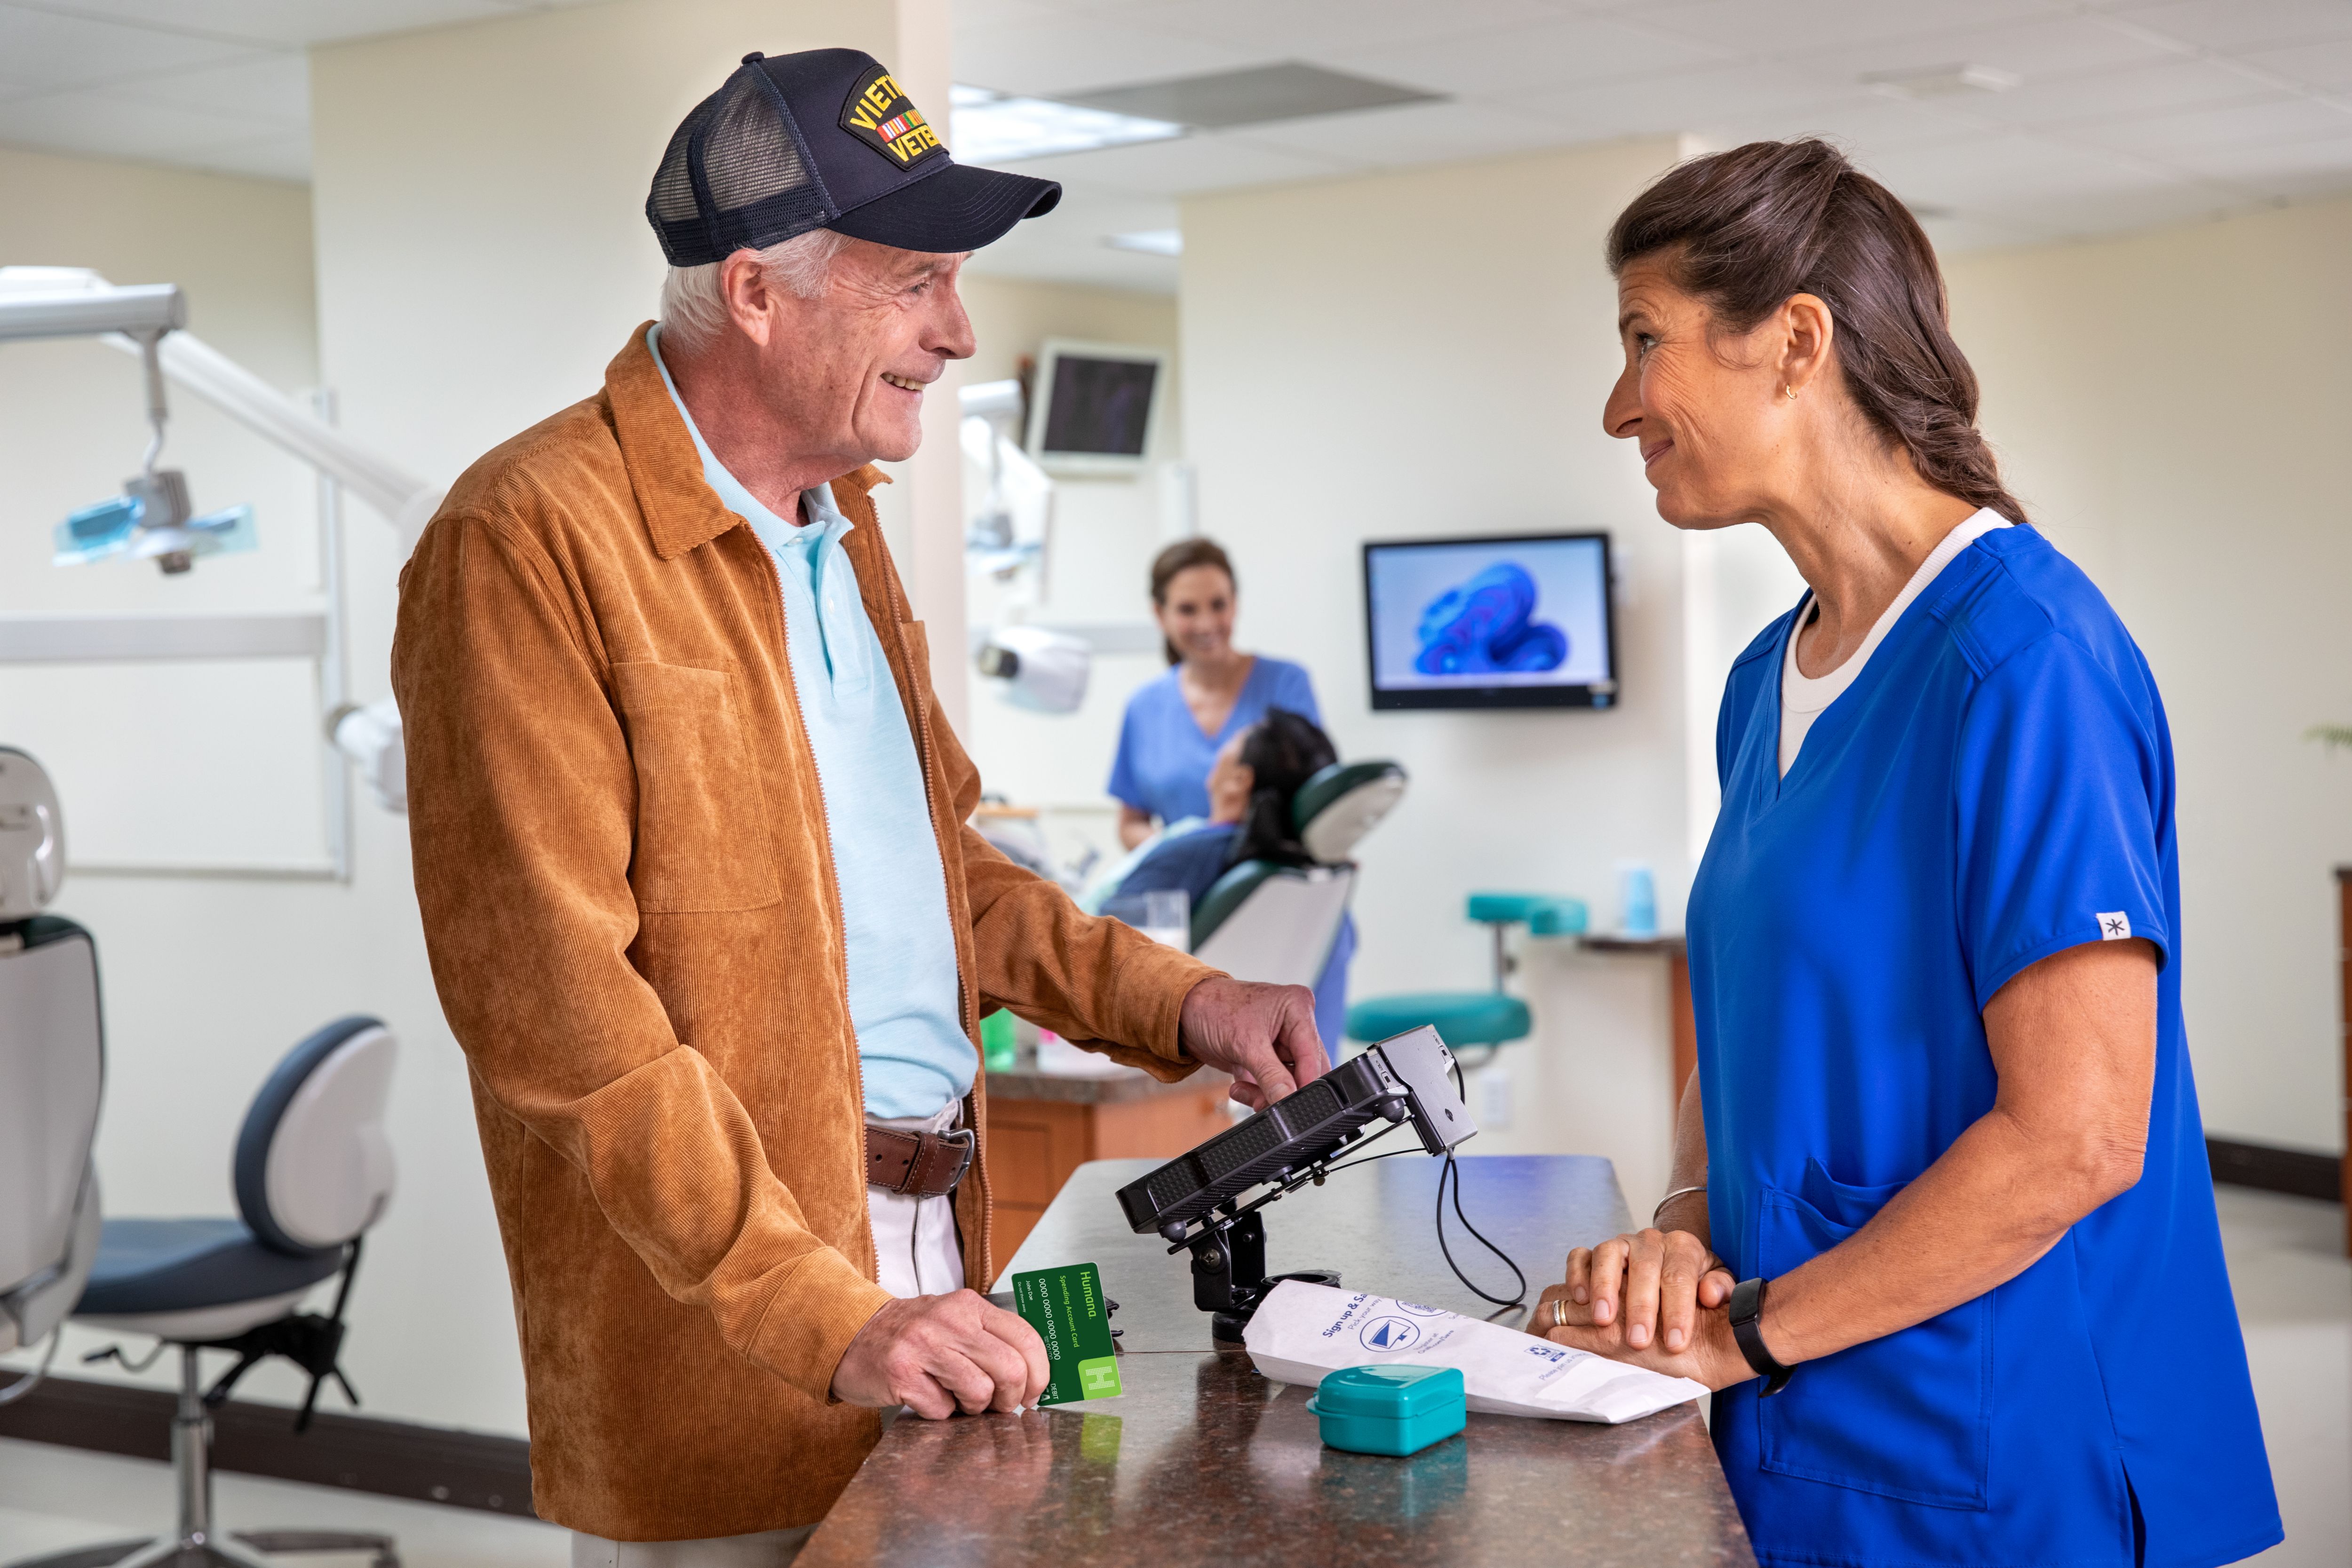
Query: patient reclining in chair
{"type": "Point", "coordinates": [1252, 790]}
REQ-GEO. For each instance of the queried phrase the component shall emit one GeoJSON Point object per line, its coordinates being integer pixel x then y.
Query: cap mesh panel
{"type": "Point", "coordinates": [673, 199]}
{"type": "Point", "coordinates": [750, 156]}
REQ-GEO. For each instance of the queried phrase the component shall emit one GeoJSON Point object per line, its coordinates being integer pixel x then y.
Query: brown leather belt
{"type": "Point", "coordinates": [926, 1164]}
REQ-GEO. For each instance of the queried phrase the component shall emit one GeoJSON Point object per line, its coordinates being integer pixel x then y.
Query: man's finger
{"type": "Point", "coordinates": [1301, 1045]}
{"type": "Point", "coordinates": [1678, 1297]}
{"type": "Point", "coordinates": [1716, 1288]}
{"type": "Point", "coordinates": [918, 1391]}
{"type": "Point", "coordinates": [1014, 1330]}
{"type": "Point", "coordinates": [1273, 1079]}
{"type": "Point", "coordinates": [998, 1360]}
{"type": "Point", "coordinates": [972, 1385]}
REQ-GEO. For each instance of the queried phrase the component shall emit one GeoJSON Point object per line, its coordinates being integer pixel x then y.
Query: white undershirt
{"type": "Point", "coordinates": [1802, 697]}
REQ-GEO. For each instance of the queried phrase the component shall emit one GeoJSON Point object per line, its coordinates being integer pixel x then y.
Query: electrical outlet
{"type": "Point", "coordinates": [1495, 1098]}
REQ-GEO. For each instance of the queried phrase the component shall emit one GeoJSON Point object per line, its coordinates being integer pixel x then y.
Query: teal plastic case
{"type": "Point", "coordinates": [1390, 1410]}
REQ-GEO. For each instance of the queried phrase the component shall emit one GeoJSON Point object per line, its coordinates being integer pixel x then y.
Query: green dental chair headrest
{"type": "Point", "coordinates": [1336, 808]}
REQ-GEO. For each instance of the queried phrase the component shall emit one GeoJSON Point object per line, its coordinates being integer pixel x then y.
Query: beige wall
{"type": "Point", "coordinates": [2173, 407]}
{"type": "Point", "coordinates": [1106, 531]}
{"type": "Point", "coordinates": [1348, 375]}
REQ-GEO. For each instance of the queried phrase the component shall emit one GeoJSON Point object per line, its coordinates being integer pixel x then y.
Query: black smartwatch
{"type": "Point", "coordinates": [1747, 1306]}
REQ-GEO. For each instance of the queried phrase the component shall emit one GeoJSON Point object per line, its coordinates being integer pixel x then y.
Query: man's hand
{"type": "Point", "coordinates": [1264, 1035]}
{"type": "Point", "coordinates": [939, 1355]}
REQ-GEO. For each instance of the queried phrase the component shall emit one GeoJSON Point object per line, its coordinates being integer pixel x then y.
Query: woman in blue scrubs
{"type": "Point", "coordinates": [1176, 724]}
{"type": "Point", "coordinates": [1942, 1231]}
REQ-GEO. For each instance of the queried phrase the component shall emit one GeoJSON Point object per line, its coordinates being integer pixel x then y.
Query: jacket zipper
{"type": "Point", "coordinates": [833, 880]}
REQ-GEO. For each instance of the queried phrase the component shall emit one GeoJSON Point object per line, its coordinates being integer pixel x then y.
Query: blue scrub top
{"type": "Point", "coordinates": [1164, 759]}
{"type": "Point", "coordinates": [1995, 787]}
{"type": "Point", "coordinates": [1193, 860]}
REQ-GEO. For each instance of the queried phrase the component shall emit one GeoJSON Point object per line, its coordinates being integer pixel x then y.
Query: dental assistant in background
{"type": "Point", "coordinates": [1176, 724]}
{"type": "Point", "coordinates": [1941, 1231]}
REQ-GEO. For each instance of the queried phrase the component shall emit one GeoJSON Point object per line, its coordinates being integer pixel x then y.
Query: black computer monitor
{"type": "Point", "coordinates": [1508, 620]}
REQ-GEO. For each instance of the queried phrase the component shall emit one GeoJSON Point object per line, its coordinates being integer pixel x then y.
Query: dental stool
{"type": "Point", "coordinates": [1270, 922]}
{"type": "Point", "coordinates": [1493, 1017]}
{"type": "Point", "coordinates": [312, 1172]}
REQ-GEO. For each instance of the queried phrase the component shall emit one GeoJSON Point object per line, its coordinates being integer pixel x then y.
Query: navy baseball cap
{"type": "Point", "coordinates": [825, 138]}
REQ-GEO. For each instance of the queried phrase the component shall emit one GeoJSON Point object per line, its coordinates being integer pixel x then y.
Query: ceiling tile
{"type": "Point", "coordinates": [2146, 88]}
{"type": "Point", "coordinates": [95, 124]}
{"type": "Point", "coordinates": [1068, 244]}
{"type": "Point", "coordinates": [1312, 27]}
{"type": "Point", "coordinates": [1206, 161]}
{"type": "Point", "coordinates": [39, 48]}
{"type": "Point", "coordinates": [1954, 235]}
{"type": "Point", "coordinates": [293, 22]}
{"type": "Point", "coordinates": [1416, 133]}
{"type": "Point", "coordinates": [1489, 65]}
{"type": "Point", "coordinates": [2029, 48]}
{"type": "Point", "coordinates": [265, 87]}
{"type": "Point", "coordinates": [2013, 174]}
{"type": "Point", "coordinates": [2280, 117]}
{"type": "Point", "coordinates": [1693, 101]}
{"type": "Point", "coordinates": [2294, 169]}
{"type": "Point", "coordinates": [2236, 25]}
{"type": "Point", "coordinates": [1786, 31]}
{"type": "Point", "coordinates": [1082, 53]}
{"type": "Point", "coordinates": [2326, 65]}
{"type": "Point", "coordinates": [1861, 121]}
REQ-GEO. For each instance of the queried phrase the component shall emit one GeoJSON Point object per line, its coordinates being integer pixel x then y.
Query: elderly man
{"type": "Point", "coordinates": [691, 854]}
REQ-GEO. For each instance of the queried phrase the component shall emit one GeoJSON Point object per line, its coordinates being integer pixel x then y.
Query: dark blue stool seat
{"type": "Point", "coordinates": [179, 1265]}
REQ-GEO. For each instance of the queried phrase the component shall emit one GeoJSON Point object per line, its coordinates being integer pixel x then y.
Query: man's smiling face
{"type": "Point", "coordinates": [845, 371]}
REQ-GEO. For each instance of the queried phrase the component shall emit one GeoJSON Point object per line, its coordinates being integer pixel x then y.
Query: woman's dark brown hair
{"type": "Point", "coordinates": [1183, 556]}
{"type": "Point", "coordinates": [1744, 230]}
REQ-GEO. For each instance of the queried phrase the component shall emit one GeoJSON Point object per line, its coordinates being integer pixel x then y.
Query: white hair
{"type": "Point", "coordinates": [693, 309]}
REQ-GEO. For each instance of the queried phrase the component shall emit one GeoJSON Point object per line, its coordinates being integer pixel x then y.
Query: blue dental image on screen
{"type": "Point", "coordinates": [1488, 625]}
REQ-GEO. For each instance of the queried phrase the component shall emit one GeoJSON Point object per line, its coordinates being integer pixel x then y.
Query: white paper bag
{"type": "Point", "coordinates": [1302, 1332]}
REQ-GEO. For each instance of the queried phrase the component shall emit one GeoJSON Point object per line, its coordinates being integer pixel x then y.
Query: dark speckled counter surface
{"type": "Point", "coordinates": [1202, 1461]}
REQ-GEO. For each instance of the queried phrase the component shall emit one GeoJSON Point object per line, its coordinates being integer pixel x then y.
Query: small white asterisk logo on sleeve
{"type": "Point", "coordinates": [2114, 926]}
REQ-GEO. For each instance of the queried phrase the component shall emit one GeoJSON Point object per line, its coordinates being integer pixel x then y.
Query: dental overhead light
{"type": "Point", "coordinates": [151, 520]}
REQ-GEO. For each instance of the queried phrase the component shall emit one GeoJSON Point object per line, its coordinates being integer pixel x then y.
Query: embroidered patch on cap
{"type": "Point", "coordinates": [880, 115]}
{"type": "Point", "coordinates": [2114, 926]}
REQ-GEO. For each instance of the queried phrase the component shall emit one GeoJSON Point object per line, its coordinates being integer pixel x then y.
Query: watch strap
{"type": "Point", "coordinates": [1744, 1309]}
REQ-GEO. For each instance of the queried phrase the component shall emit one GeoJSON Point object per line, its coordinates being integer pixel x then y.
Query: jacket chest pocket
{"type": "Point", "coordinates": [703, 820]}
{"type": "Point", "coordinates": [1907, 1417]}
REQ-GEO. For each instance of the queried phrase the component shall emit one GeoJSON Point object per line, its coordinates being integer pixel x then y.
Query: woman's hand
{"type": "Point", "coordinates": [1652, 1298]}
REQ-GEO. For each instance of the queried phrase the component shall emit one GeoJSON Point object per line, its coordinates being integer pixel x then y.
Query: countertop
{"type": "Point", "coordinates": [1202, 1461]}
{"type": "Point", "coordinates": [1127, 1085]}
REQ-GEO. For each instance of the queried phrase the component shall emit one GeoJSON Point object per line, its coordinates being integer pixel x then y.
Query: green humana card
{"type": "Point", "coordinates": [1066, 1307]}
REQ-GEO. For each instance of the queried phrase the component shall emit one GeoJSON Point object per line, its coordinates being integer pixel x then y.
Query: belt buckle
{"type": "Point", "coordinates": [966, 1143]}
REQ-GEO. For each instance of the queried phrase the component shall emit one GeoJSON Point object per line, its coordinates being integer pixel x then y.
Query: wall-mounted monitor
{"type": "Point", "coordinates": [1520, 621]}
{"type": "Point", "coordinates": [1092, 405]}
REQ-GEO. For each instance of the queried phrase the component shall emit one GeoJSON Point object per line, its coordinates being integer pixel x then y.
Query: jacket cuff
{"type": "Point", "coordinates": [811, 1320]}
{"type": "Point", "coordinates": [1153, 982]}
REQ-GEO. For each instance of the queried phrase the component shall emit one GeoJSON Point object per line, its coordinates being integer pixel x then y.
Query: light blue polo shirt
{"type": "Point", "coordinates": [904, 998]}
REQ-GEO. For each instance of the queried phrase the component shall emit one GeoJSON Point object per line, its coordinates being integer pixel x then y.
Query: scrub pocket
{"type": "Point", "coordinates": [702, 825]}
{"type": "Point", "coordinates": [1907, 1417]}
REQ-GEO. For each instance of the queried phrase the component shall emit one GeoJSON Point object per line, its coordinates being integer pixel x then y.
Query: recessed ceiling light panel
{"type": "Point", "coordinates": [1940, 81]}
{"type": "Point", "coordinates": [1150, 242]}
{"type": "Point", "coordinates": [990, 127]}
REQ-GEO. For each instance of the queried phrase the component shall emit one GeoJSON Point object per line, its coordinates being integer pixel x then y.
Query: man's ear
{"type": "Point", "coordinates": [750, 297]}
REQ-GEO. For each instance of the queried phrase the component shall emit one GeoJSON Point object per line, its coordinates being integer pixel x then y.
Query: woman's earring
{"type": "Point", "coordinates": [1791, 392]}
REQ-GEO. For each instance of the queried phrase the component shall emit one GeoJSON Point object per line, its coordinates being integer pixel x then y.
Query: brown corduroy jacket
{"type": "Point", "coordinates": [628, 897]}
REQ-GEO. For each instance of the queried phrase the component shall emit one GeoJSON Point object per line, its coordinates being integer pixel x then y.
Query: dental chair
{"type": "Point", "coordinates": [1265, 921]}
{"type": "Point", "coordinates": [312, 1171]}
{"type": "Point", "coordinates": [52, 1065]}
{"type": "Point", "coordinates": [1490, 1018]}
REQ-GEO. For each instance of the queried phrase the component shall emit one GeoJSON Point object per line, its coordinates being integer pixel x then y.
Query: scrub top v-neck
{"type": "Point", "coordinates": [1996, 786]}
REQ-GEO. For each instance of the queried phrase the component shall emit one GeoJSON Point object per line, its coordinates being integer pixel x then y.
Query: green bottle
{"type": "Point", "coordinates": [996, 1041]}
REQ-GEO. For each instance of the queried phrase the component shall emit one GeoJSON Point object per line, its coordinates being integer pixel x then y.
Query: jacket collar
{"type": "Point", "coordinates": [682, 512]}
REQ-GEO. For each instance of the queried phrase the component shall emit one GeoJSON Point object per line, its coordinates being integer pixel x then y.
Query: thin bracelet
{"type": "Point", "coordinates": [1678, 1192]}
